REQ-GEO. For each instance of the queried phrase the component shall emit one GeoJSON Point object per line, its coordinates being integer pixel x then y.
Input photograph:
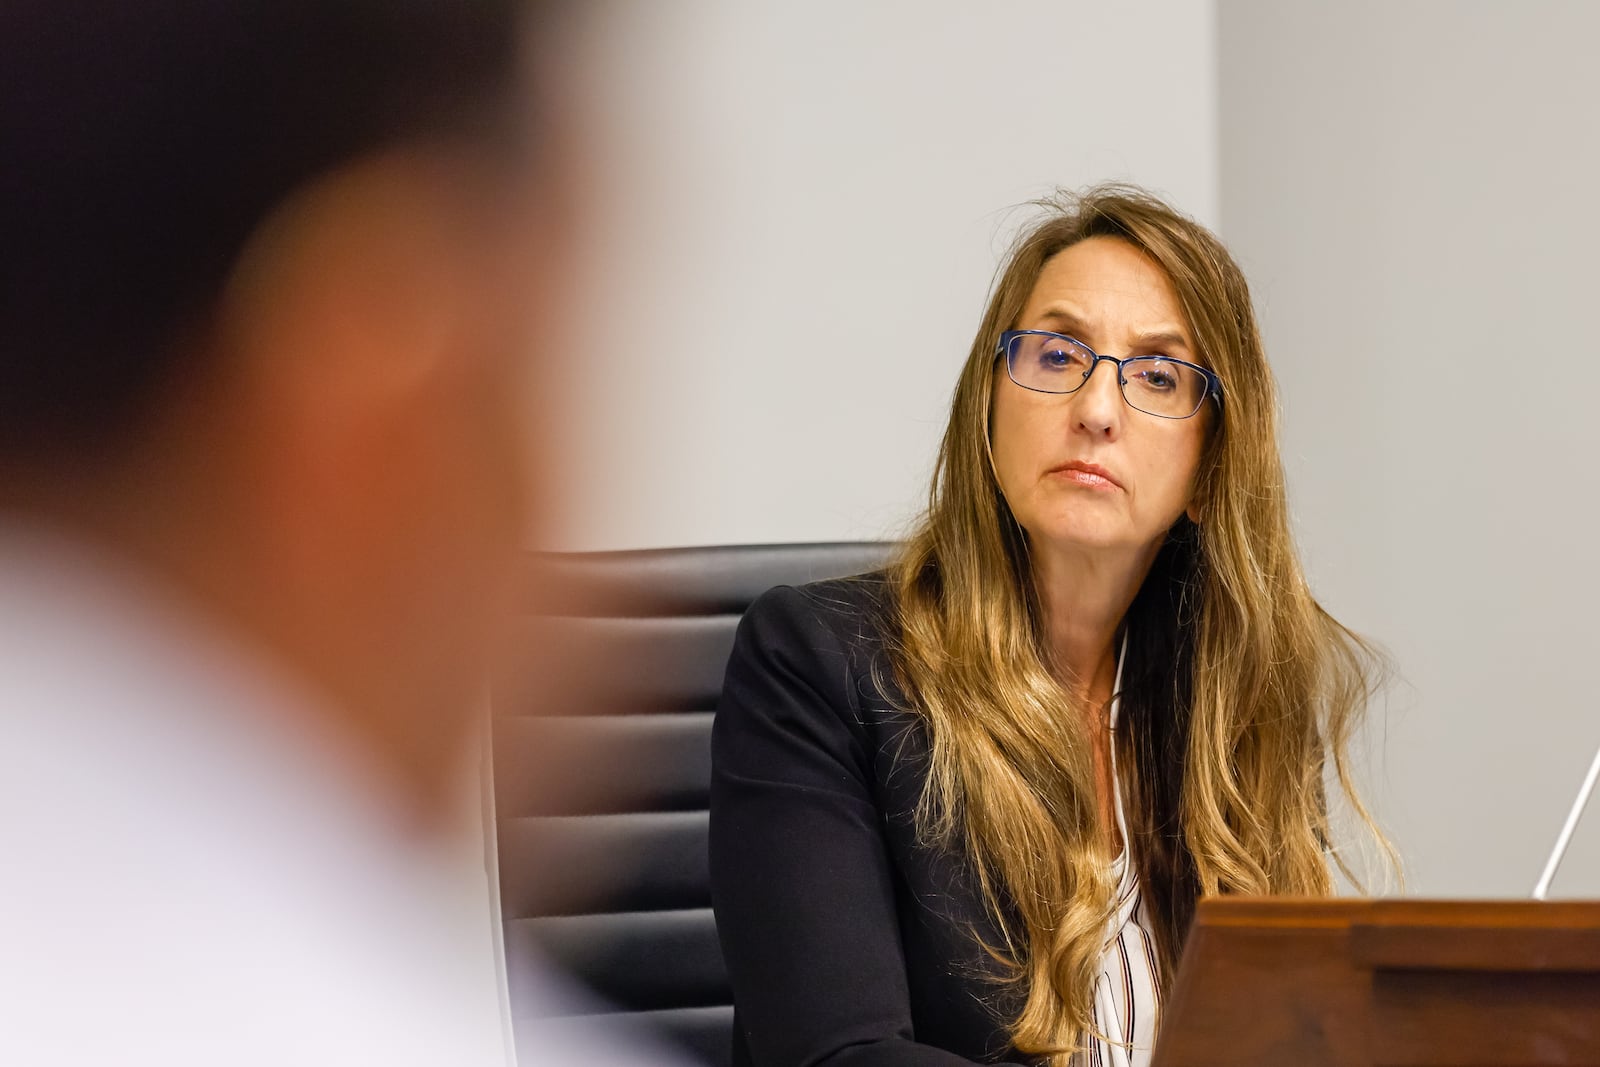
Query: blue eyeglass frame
{"type": "Point", "coordinates": [1213, 383]}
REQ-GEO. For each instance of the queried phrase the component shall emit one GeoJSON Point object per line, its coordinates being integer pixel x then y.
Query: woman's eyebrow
{"type": "Point", "coordinates": [1064, 319]}
{"type": "Point", "coordinates": [1164, 337]}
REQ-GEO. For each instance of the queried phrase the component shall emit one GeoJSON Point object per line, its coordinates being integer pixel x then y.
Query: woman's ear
{"type": "Point", "coordinates": [1199, 494]}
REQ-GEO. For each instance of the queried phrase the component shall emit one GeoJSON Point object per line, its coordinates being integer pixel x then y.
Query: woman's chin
{"type": "Point", "coordinates": [1080, 537]}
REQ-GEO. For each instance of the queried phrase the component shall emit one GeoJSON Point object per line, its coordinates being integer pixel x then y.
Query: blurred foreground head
{"type": "Point", "coordinates": [275, 277]}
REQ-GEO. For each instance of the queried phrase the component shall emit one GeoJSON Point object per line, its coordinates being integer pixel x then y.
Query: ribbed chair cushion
{"type": "Point", "coordinates": [602, 769]}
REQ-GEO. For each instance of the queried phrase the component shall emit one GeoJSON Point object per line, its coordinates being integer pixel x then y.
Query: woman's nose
{"type": "Point", "coordinates": [1099, 407]}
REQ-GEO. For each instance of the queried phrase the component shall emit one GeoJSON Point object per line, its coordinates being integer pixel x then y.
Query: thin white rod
{"type": "Point", "coordinates": [1566, 831]}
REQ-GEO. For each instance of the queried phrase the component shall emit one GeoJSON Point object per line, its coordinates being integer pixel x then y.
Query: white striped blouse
{"type": "Point", "coordinates": [1127, 994]}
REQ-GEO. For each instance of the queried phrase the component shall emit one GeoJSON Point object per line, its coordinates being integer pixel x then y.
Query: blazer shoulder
{"type": "Point", "coordinates": [843, 622]}
{"type": "Point", "coordinates": [854, 612]}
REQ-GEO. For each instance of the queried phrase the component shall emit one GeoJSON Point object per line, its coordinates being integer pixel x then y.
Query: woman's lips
{"type": "Point", "coordinates": [1088, 475]}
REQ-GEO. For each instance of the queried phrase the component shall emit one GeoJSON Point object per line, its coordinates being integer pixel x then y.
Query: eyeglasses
{"type": "Point", "coordinates": [1156, 385]}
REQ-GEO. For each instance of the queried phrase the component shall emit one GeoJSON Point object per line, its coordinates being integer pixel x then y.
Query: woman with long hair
{"type": "Point", "coordinates": [963, 808]}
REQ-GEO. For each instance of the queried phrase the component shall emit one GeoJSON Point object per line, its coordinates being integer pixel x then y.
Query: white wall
{"type": "Point", "coordinates": [1412, 189]}
{"type": "Point", "coordinates": [798, 209]}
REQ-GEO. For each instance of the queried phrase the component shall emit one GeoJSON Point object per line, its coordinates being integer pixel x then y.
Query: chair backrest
{"type": "Point", "coordinates": [602, 769]}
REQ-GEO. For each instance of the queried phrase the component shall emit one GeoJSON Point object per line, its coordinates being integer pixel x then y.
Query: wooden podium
{"type": "Point", "coordinates": [1307, 983]}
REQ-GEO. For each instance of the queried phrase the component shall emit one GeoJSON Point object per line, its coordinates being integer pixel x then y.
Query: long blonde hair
{"type": "Point", "coordinates": [1238, 687]}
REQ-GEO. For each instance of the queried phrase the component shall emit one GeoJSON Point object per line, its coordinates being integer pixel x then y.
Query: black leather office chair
{"type": "Point", "coordinates": [602, 764]}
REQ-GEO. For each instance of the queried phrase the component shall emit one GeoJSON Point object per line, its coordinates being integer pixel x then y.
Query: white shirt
{"type": "Point", "coordinates": [1127, 993]}
{"type": "Point", "coordinates": [192, 875]}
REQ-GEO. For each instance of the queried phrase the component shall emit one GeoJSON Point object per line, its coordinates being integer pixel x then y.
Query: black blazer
{"type": "Point", "coordinates": [847, 941]}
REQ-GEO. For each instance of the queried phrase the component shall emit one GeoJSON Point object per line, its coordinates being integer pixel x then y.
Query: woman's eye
{"type": "Point", "coordinates": [1060, 357]}
{"type": "Point", "coordinates": [1160, 378]}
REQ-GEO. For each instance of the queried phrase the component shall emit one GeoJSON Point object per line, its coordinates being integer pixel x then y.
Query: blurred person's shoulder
{"type": "Point", "coordinates": [184, 849]}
